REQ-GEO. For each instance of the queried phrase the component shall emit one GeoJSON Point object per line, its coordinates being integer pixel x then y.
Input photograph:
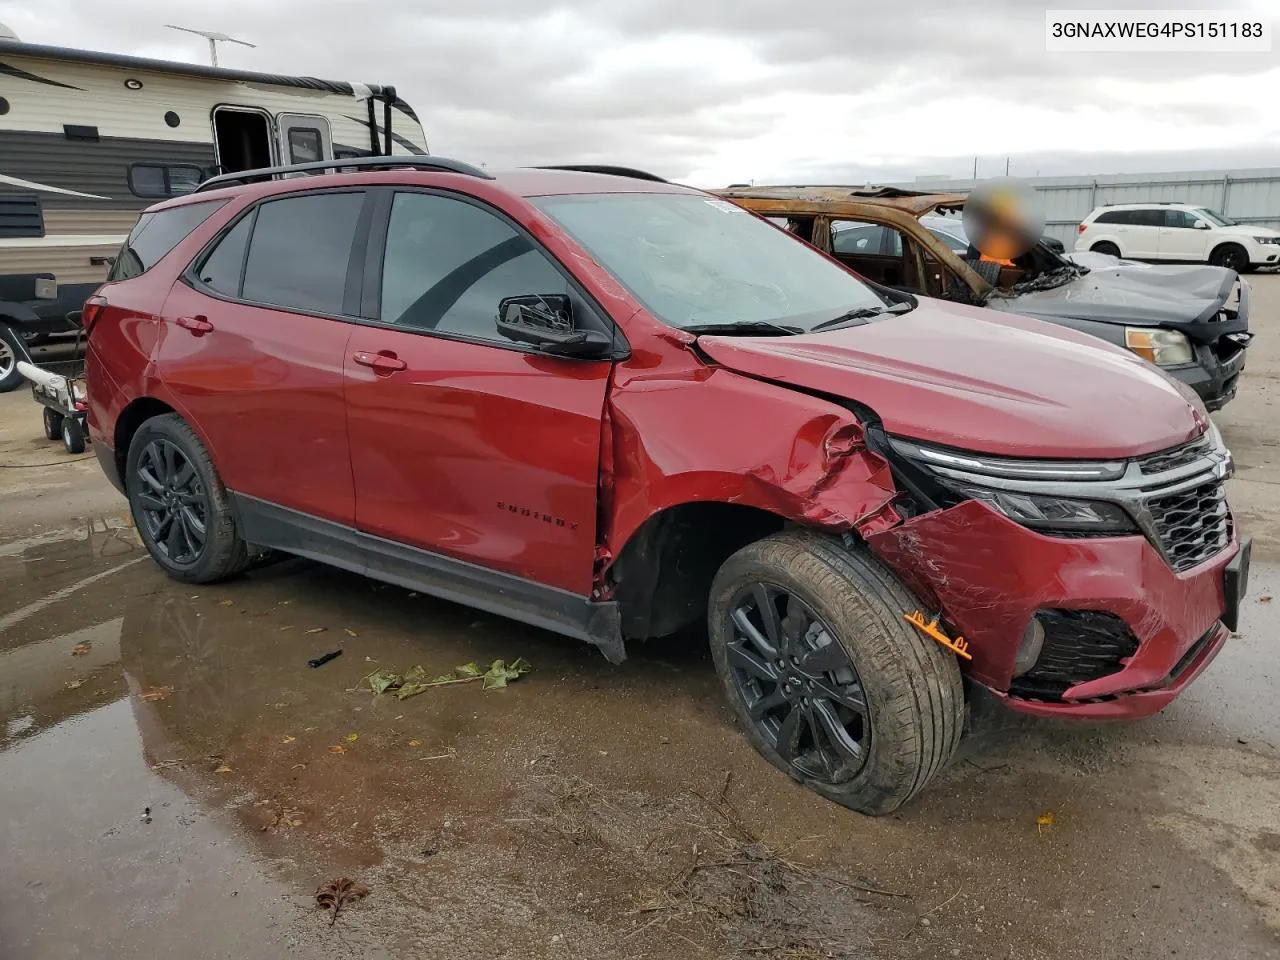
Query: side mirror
{"type": "Point", "coordinates": [1200, 225]}
{"type": "Point", "coordinates": [546, 322]}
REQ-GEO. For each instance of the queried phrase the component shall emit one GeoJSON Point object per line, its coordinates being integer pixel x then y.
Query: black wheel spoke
{"type": "Point", "coordinates": [825, 659]}
{"type": "Point", "coordinates": [744, 659]}
{"type": "Point", "coordinates": [173, 540]}
{"type": "Point", "coordinates": [150, 503]}
{"type": "Point", "coordinates": [765, 703]}
{"type": "Point", "coordinates": [170, 465]}
{"type": "Point", "coordinates": [146, 475]}
{"type": "Point", "coordinates": [788, 741]}
{"type": "Point", "coordinates": [825, 761]}
{"type": "Point", "coordinates": [848, 695]}
{"type": "Point", "coordinates": [193, 525]}
{"type": "Point", "coordinates": [742, 620]}
{"type": "Point", "coordinates": [768, 615]}
{"type": "Point", "coordinates": [830, 730]}
{"type": "Point", "coordinates": [185, 474]}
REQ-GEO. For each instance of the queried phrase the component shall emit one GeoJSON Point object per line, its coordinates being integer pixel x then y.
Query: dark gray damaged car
{"type": "Point", "coordinates": [1191, 321]}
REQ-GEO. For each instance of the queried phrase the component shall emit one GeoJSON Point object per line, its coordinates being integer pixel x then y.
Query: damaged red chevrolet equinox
{"type": "Point", "coordinates": [616, 408]}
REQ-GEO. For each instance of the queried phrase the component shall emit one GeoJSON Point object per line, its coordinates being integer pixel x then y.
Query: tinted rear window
{"type": "Point", "coordinates": [222, 267]}
{"type": "Point", "coordinates": [299, 252]}
{"type": "Point", "coordinates": [155, 234]}
{"type": "Point", "coordinates": [1113, 216]}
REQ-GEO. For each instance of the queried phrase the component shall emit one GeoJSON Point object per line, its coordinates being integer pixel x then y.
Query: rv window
{"type": "Point", "coordinates": [305, 145]}
{"type": "Point", "coordinates": [300, 250]}
{"type": "Point", "coordinates": [155, 234]}
{"type": "Point", "coordinates": [154, 181]}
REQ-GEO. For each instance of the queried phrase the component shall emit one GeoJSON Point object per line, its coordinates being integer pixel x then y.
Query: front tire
{"type": "Point", "coordinates": [1232, 256]}
{"type": "Point", "coordinates": [179, 505]}
{"type": "Point", "coordinates": [827, 679]}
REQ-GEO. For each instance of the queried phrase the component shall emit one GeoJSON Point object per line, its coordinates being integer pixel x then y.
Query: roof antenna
{"type": "Point", "coordinates": [214, 39]}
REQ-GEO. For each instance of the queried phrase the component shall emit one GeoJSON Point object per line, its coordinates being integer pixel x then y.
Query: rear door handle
{"type": "Point", "coordinates": [197, 325]}
{"type": "Point", "coordinates": [385, 362]}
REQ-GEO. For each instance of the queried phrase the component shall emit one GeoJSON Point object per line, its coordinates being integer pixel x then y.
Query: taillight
{"type": "Point", "coordinates": [92, 310]}
{"type": "Point", "coordinates": [1082, 227]}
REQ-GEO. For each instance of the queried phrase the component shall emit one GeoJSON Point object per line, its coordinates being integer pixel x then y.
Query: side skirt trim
{"type": "Point", "coordinates": [270, 525]}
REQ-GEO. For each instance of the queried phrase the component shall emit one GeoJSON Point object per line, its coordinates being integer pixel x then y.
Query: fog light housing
{"type": "Point", "coordinates": [1030, 647]}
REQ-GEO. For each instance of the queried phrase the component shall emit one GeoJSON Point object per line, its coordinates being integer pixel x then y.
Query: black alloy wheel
{"type": "Point", "coordinates": [798, 684]}
{"type": "Point", "coordinates": [172, 502]}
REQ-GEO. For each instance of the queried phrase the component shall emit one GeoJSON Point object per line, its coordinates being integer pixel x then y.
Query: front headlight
{"type": "Point", "coordinates": [1047, 513]}
{"type": "Point", "coordinates": [1164, 348]}
{"type": "Point", "coordinates": [1002, 483]}
{"type": "Point", "coordinates": [1266, 239]}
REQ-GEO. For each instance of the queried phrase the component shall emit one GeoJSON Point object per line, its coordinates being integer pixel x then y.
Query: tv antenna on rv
{"type": "Point", "coordinates": [214, 39]}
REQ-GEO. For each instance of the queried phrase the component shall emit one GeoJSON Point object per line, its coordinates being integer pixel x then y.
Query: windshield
{"type": "Point", "coordinates": [697, 261]}
{"type": "Point", "coordinates": [1217, 219]}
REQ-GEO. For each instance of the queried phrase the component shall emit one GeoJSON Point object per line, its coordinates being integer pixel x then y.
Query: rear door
{"type": "Point", "coordinates": [1141, 236]}
{"type": "Point", "coordinates": [253, 350]}
{"type": "Point", "coordinates": [463, 442]}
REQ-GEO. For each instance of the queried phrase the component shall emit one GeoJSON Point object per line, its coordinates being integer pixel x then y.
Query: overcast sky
{"type": "Point", "coordinates": [717, 91]}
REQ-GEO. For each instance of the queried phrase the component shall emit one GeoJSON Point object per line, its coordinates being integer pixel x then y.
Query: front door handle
{"type": "Point", "coordinates": [385, 362]}
{"type": "Point", "coordinates": [198, 325]}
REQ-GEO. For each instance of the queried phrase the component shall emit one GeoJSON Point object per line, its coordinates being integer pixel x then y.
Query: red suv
{"type": "Point", "coordinates": [615, 407]}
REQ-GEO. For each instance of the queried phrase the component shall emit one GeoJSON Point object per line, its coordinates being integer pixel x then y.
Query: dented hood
{"type": "Point", "coordinates": [1186, 298]}
{"type": "Point", "coordinates": [984, 381]}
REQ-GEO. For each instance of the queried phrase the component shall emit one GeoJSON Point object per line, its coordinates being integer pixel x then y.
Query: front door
{"type": "Point", "coordinates": [253, 347]}
{"type": "Point", "coordinates": [304, 138]}
{"type": "Point", "coordinates": [1179, 238]}
{"type": "Point", "coordinates": [462, 442]}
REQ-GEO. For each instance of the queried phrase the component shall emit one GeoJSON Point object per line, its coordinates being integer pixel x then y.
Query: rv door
{"type": "Point", "coordinates": [304, 138]}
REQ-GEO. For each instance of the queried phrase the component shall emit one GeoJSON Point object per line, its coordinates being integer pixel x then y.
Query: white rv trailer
{"type": "Point", "coordinates": [88, 139]}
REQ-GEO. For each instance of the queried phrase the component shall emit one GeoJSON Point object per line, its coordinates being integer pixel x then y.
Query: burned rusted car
{"type": "Point", "coordinates": [1191, 321]}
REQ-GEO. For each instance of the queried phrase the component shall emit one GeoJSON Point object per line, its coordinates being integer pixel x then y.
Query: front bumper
{"type": "Point", "coordinates": [1214, 380]}
{"type": "Point", "coordinates": [989, 576]}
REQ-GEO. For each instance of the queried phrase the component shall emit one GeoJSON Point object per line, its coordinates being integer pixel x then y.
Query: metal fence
{"type": "Point", "coordinates": [1247, 196]}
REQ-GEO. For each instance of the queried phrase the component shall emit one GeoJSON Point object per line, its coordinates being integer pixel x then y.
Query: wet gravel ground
{"type": "Point", "coordinates": [176, 781]}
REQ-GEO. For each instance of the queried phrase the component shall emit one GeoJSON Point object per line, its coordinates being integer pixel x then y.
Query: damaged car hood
{"type": "Point", "coordinates": [1180, 297]}
{"type": "Point", "coordinates": [965, 377]}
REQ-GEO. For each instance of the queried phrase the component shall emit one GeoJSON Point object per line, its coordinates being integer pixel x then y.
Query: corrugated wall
{"type": "Point", "coordinates": [1249, 196]}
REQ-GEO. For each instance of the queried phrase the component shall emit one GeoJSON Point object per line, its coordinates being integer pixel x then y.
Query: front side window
{"type": "Point", "coordinates": [449, 263]}
{"type": "Point", "coordinates": [695, 260]}
{"type": "Point", "coordinates": [1215, 218]}
{"type": "Point", "coordinates": [156, 233]}
{"type": "Point", "coordinates": [1179, 219]}
{"type": "Point", "coordinates": [300, 250]}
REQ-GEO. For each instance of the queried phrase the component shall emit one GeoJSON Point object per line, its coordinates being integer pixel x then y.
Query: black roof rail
{"type": "Point", "coordinates": [631, 172]}
{"type": "Point", "coordinates": [440, 164]}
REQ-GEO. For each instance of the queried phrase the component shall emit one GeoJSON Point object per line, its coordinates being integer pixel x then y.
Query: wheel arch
{"type": "Point", "coordinates": [662, 576]}
{"type": "Point", "coordinates": [128, 422]}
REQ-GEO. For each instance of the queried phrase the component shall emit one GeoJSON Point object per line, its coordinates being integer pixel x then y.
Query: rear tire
{"type": "Point", "coordinates": [52, 424]}
{"type": "Point", "coordinates": [897, 696]}
{"type": "Point", "coordinates": [72, 435]}
{"type": "Point", "coordinates": [1230, 255]}
{"type": "Point", "coordinates": [179, 505]}
{"type": "Point", "coordinates": [1110, 249]}
{"type": "Point", "coordinates": [12, 350]}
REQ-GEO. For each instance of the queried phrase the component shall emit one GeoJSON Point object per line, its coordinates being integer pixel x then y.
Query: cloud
{"type": "Point", "coordinates": [719, 90]}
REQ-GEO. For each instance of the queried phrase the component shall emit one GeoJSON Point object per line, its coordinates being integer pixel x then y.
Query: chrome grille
{"type": "Point", "coordinates": [1192, 526]}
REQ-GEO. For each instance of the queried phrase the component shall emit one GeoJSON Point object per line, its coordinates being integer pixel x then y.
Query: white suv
{"type": "Point", "coordinates": [1179, 233]}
